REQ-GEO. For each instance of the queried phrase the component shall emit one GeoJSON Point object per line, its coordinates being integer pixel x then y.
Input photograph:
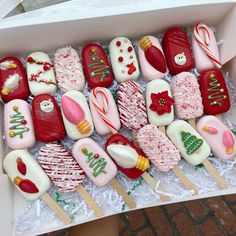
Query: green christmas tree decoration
{"type": "Point", "coordinates": [19, 124]}
{"type": "Point", "coordinates": [191, 142]}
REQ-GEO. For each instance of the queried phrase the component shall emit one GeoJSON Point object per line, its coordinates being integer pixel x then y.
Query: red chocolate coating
{"type": "Point", "coordinates": [48, 126]}
{"type": "Point", "coordinates": [132, 173]}
{"type": "Point", "coordinates": [96, 66]}
{"type": "Point", "coordinates": [215, 97]}
{"type": "Point", "coordinates": [22, 91]}
{"type": "Point", "coordinates": [176, 42]}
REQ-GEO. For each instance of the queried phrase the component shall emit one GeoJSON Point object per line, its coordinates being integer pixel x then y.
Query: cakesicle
{"type": "Point", "coordinates": [98, 166]}
{"type": "Point", "coordinates": [177, 51]}
{"type": "Point", "coordinates": [205, 49]}
{"type": "Point", "coordinates": [215, 97]}
{"type": "Point", "coordinates": [162, 153]}
{"type": "Point", "coordinates": [96, 66]}
{"type": "Point", "coordinates": [69, 70]}
{"type": "Point", "coordinates": [18, 124]}
{"type": "Point", "coordinates": [151, 57]}
{"type": "Point", "coordinates": [104, 111]}
{"type": "Point", "coordinates": [41, 77]}
{"type": "Point", "coordinates": [48, 123]}
{"type": "Point", "coordinates": [193, 148]}
{"type": "Point", "coordinates": [65, 172]}
{"type": "Point", "coordinates": [31, 181]}
{"type": "Point", "coordinates": [76, 115]}
{"type": "Point", "coordinates": [123, 59]}
{"type": "Point", "coordinates": [13, 80]}
{"type": "Point", "coordinates": [221, 140]}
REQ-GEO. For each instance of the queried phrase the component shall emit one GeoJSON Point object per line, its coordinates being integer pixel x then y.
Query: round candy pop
{"type": "Point", "coordinates": [65, 172]}
{"type": "Point", "coordinates": [30, 179]}
{"type": "Point", "coordinates": [162, 153]}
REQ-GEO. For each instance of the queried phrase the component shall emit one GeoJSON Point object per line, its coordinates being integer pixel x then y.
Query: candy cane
{"type": "Point", "coordinates": [102, 108]}
{"type": "Point", "coordinates": [204, 43]}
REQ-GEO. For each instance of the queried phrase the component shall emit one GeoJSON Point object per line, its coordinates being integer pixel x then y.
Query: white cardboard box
{"type": "Point", "coordinates": [49, 32]}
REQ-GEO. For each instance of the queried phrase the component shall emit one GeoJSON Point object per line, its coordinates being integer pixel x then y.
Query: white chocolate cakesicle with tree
{"type": "Point", "coordinates": [221, 140]}
{"type": "Point", "coordinates": [193, 148]}
{"type": "Point", "coordinates": [76, 115]}
{"type": "Point", "coordinates": [123, 59]}
{"type": "Point", "coordinates": [159, 103]}
{"type": "Point", "coordinates": [30, 179]}
{"type": "Point", "coordinates": [40, 74]}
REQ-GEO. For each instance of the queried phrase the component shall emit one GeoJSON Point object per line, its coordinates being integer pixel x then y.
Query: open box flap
{"type": "Point", "coordinates": [6, 6]}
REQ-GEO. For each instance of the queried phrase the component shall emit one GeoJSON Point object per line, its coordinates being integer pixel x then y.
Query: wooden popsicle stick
{"type": "Point", "coordinates": [134, 135]}
{"type": "Point", "coordinates": [152, 183]}
{"type": "Point", "coordinates": [118, 187]}
{"type": "Point", "coordinates": [63, 216]}
{"type": "Point", "coordinates": [185, 181]}
{"type": "Point", "coordinates": [192, 122]}
{"type": "Point", "coordinates": [90, 202]}
{"type": "Point", "coordinates": [215, 174]}
{"type": "Point", "coordinates": [162, 129]}
{"type": "Point", "coordinates": [219, 116]}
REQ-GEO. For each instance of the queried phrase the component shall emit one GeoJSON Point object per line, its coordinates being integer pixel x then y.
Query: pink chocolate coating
{"type": "Point", "coordinates": [221, 140]}
{"type": "Point", "coordinates": [94, 161]}
{"type": "Point", "coordinates": [131, 105]}
{"type": "Point", "coordinates": [186, 93]}
{"type": "Point", "coordinates": [158, 148]}
{"type": "Point", "coordinates": [18, 124]}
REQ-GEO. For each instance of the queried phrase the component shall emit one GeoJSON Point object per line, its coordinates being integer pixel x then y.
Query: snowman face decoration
{"type": "Point", "coordinates": [180, 59]}
{"type": "Point", "coordinates": [46, 106]}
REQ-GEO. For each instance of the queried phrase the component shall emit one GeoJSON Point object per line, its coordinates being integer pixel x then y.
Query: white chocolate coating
{"type": "Point", "coordinates": [34, 172]}
{"type": "Point", "coordinates": [202, 151]}
{"type": "Point", "coordinates": [123, 59]}
{"type": "Point", "coordinates": [158, 86]}
{"type": "Point", "coordinates": [48, 76]}
{"type": "Point", "coordinates": [71, 128]}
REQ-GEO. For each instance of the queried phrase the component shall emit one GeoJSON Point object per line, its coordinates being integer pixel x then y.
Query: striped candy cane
{"type": "Point", "coordinates": [204, 43]}
{"type": "Point", "coordinates": [102, 108]}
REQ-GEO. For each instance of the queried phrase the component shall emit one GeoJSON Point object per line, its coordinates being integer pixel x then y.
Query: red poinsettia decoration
{"type": "Point", "coordinates": [161, 103]}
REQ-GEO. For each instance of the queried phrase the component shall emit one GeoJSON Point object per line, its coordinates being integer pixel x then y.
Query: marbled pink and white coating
{"type": "Point", "coordinates": [221, 140]}
{"type": "Point", "coordinates": [158, 148]}
{"type": "Point", "coordinates": [205, 49]}
{"type": "Point", "coordinates": [104, 111]}
{"type": "Point", "coordinates": [131, 105]}
{"type": "Point", "coordinates": [186, 93]}
{"type": "Point", "coordinates": [95, 162]}
{"type": "Point", "coordinates": [18, 124]}
{"type": "Point", "coordinates": [61, 167]}
{"type": "Point", "coordinates": [69, 70]}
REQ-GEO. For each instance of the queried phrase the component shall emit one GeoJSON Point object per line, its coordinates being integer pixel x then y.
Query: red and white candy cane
{"type": "Point", "coordinates": [204, 43]}
{"type": "Point", "coordinates": [102, 108]}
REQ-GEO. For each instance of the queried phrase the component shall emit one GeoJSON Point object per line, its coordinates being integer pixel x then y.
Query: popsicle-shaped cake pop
{"type": "Point", "coordinates": [186, 93]}
{"type": "Point", "coordinates": [69, 70]}
{"type": "Point", "coordinates": [30, 179]}
{"type": "Point", "coordinates": [65, 172]}
{"type": "Point", "coordinates": [41, 77]}
{"type": "Point", "coordinates": [130, 160]}
{"type": "Point", "coordinates": [48, 123]}
{"type": "Point", "coordinates": [76, 115]}
{"type": "Point", "coordinates": [177, 51]}
{"type": "Point", "coordinates": [205, 49]}
{"type": "Point", "coordinates": [221, 140]}
{"type": "Point", "coordinates": [123, 59]}
{"type": "Point", "coordinates": [215, 97]}
{"type": "Point", "coordinates": [96, 66]}
{"type": "Point", "coordinates": [131, 105]}
{"type": "Point", "coordinates": [18, 124]}
{"type": "Point", "coordinates": [104, 111]}
{"type": "Point", "coordinates": [151, 57]}
{"type": "Point", "coordinates": [98, 166]}
{"type": "Point", "coordinates": [193, 148]}
{"type": "Point", "coordinates": [13, 80]}
{"type": "Point", "coordinates": [159, 103]}
{"type": "Point", "coordinates": [162, 153]}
